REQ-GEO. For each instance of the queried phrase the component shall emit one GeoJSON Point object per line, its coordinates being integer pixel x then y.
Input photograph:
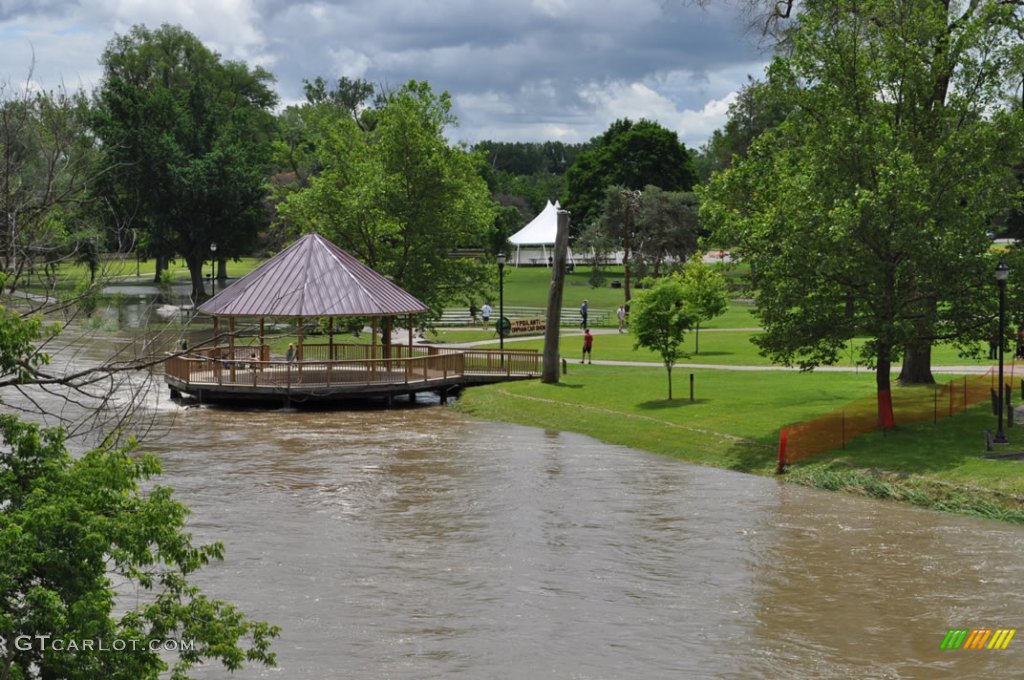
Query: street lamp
{"type": "Point", "coordinates": [501, 306]}
{"type": "Point", "coordinates": [1002, 273]}
{"type": "Point", "coordinates": [213, 263]}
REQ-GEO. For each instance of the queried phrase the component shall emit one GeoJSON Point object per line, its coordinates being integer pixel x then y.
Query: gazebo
{"type": "Point", "coordinates": [313, 278]}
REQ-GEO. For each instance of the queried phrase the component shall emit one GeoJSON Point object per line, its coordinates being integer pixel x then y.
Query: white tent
{"type": "Point", "coordinates": [541, 231]}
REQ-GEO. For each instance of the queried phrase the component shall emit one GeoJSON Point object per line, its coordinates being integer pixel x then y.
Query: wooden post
{"type": "Point", "coordinates": [231, 345]}
{"type": "Point", "coordinates": [549, 371]}
{"type": "Point", "coordinates": [410, 335]}
{"type": "Point", "coordinates": [298, 348]}
{"type": "Point", "coordinates": [330, 339]}
{"type": "Point", "coordinates": [263, 340]}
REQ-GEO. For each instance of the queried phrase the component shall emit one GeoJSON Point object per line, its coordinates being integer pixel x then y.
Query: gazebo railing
{"type": "Point", "coordinates": [195, 369]}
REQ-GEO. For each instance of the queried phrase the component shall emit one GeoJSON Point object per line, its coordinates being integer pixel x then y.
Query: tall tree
{"type": "Point", "coordinates": [47, 159]}
{"type": "Point", "coordinates": [654, 229]}
{"type": "Point", "coordinates": [863, 213]}
{"type": "Point", "coordinates": [631, 155]}
{"type": "Point", "coordinates": [186, 136]}
{"type": "Point", "coordinates": [400, 197]}
{"type": "Point", "coordinates": [752, 112]}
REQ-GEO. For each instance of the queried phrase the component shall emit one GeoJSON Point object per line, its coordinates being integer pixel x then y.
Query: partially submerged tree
{"type": "Point", "coordinates": [659, 320]}
{"type": "Point", "coordinates": [186, 138]}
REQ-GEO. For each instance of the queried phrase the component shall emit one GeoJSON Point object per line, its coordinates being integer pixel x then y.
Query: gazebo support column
{"type": "Point", "coordinates": [373, 347]}
{"type": "Point", "coordinates": [298, 348]}
{"type": "Point", "coordinates": [410, 336]}
{"type": "Point", "coordinates": [231, 345]}
{"type": "Point", "coordinates": [330, 339]}
{"type": "Point", "coordinates": [264, 350]}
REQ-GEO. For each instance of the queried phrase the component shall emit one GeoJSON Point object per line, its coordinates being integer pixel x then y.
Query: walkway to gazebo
{"type": "Point", "coordinates": [315, 278]}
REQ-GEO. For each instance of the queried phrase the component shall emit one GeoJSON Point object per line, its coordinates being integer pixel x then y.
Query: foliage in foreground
{"type": "Point", "coordinates": [75, 534]}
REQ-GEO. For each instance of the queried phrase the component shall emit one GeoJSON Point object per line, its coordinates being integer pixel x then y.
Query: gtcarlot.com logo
{"type": "Point", "coordinates": [42, 643]}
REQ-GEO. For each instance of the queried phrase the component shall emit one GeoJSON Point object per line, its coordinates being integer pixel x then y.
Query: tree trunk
{"type": "Point", "coordinates": [159, 266]}
{"type": "Point", "coordinates": [669, 368]}
{"type": "Point", "coordinates": [195, 271]}
{"type": "Point", "coordinates": [883, 383]}
{"type": "Point", "coordinates": [917, 364]}
{"type": "Point", "coordinates": [549, 369]}
{"type": "Point", "coordinates": [696, 339]}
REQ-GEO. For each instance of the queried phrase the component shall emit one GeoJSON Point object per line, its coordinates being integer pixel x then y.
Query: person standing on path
{"type": "Point", "coordinates": [583, 315]}
{"type": "Point", "coordinates": [485, 312]}
{"type": "Point", "coordinates": [588, 345]}
{"type": "Point", "coordinates": [621, 313]}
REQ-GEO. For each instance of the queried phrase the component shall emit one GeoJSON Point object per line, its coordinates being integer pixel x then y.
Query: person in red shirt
{"type": "Point", "coordinates": [588, 344]}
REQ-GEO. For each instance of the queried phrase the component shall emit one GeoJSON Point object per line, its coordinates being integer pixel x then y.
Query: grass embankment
{"type": "Point", "coordinates": [734, 422]}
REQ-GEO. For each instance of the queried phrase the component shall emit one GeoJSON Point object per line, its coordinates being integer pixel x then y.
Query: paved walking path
{"type": "Point", "coordinates": [958, 370]}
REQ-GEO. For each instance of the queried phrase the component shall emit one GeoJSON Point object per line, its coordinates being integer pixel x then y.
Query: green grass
{"type": "Point", "coordinates": [733, 421]}
{"type": "Point", "coordinates": [122, 270]}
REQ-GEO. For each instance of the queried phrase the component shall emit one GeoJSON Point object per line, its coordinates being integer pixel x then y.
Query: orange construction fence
{"type": "Point", "coordinates": [832, 430]}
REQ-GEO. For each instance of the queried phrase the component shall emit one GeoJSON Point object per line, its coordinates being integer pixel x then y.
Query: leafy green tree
{"type": "Point", "coordinates": [631, 155]}
{"type": "Point", "coordinates": [863, 213]}
{"type": "Point", "coordinates": [659, 320]}
{"type": "Point", "coordinates": [705, 294]}
{"type": "Point", "coordinates": [400, 198]}
{"type": "Point", "coordinates": [666, 230]}
{"type": "Point", "coordinates": [754, 111]}
{"type": "Point", "coordinates": [187, 144]}
{"type": "Point", "coordinates": [78, 534]}
{"type": "Point", "coordinates": [653, 229]}
{"type": "Point", "coordinates": [47, 159]}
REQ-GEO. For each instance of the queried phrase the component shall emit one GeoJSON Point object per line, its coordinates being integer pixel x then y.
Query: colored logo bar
{"type": "Point", "coordinates": [978, 638]}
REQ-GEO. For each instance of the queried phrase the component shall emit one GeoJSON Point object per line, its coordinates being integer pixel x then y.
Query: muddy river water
{"type": "Point", "coordinates": [420, 543]}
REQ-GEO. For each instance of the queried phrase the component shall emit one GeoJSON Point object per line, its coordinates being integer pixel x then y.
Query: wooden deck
{"type": "Point", "coordinates": [337, 372]}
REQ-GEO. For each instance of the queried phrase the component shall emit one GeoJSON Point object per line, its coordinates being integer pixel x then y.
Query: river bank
{"type": "Point", "coordinates": [733, 423]}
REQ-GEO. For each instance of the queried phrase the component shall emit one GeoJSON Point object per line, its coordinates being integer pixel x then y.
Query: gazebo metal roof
{"type": "Point", "coordinates": [312, 277]}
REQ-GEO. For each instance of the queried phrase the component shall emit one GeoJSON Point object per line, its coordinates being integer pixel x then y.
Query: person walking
{"type": "Point", "coordinates": [588, 345]}
{"type": "Point", "coordinates": [485, 313]}
{"type": "Point", "coordinates": [621, 313]}
{"type": "Point", "coordinates": [583, 315]}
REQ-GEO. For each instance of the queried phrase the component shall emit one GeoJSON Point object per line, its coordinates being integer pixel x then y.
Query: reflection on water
{"type": "Point", "coordinates": [421, 544]}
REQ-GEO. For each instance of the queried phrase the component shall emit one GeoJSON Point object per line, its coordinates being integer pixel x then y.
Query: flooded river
{"type": "Point", "coordinates": [422, 544]}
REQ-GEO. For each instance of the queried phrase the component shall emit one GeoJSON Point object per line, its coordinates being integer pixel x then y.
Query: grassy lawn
{"type": "Point", "coordinates": [733, 421]}
{"type": "Point", "coordinates": [125, 270]}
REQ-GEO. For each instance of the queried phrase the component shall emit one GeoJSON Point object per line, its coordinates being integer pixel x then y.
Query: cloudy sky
{"type": "Point", "coordinates": [518, 70]}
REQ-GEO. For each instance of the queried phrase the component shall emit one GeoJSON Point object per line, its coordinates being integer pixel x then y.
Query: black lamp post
{"type": "Point", "coordinates": [213, 264]}
{"type": "Point", "coordinates": [1002, 273]}
{"type": "Point", "coordinates": [501, 306]}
